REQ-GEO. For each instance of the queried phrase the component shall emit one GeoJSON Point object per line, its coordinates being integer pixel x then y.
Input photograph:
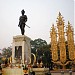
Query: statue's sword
{"type": "Point", "coordinates": [27, 26]}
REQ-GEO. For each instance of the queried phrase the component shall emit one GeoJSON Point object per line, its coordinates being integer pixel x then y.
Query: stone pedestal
{"type": "Point", "coordinates": [40, 71]}
{"type": "Point", "coordinates": [21, 50]}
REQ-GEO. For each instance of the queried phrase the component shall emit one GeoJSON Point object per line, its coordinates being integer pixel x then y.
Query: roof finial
{"type": "Point", "coordinates": [68, 23]}
{"type": "Point", "coordinates": [59, 14]}
{"type": "Point", "coordinates": [53, 24]}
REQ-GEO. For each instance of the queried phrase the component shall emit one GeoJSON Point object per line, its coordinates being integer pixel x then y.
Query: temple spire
{"type": "Point", "coordinates": [59, 14]}
{"type": "Point", "coordinates": [68, 23]}
{"type": "Point", "coordinates": [60, 20]}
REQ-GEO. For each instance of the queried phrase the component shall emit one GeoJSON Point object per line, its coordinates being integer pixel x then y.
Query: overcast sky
{"type": "Point", "coordinates": [41, 15]}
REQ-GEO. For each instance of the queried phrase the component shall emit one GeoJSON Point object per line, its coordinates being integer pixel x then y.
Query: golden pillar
{"type": "Point", "coordinates": [54, 44]}
{"type": "Point", "coordinates": [61, 38]}
{"type": "Point", "coordinates": [59, 45]}
{"type": "Point", "coordinates": [70, 40]}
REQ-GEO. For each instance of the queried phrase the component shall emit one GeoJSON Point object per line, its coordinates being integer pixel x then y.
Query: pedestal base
{"type": "Point", "coordinates": [21, 51]}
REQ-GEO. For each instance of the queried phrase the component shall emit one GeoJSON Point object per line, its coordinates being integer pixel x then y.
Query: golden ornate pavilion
{"type": "Point", "coordinates": [62, 44]}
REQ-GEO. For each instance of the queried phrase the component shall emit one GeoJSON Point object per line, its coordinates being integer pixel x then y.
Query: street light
{"type": "Point", "coordinates": [70, 72]}
{"type": "Point", "coordinates": [62, 72]}
{"type": "Point", "coordinates": [36, 56]}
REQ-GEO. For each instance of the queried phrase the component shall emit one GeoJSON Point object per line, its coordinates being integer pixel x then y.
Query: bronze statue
{"type": "Point", "coordinates": [22, 22]}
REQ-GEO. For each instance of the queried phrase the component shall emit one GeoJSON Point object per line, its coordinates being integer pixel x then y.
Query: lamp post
{"type": "Point", "coordinates": [6, 61]}
{"type": "Point", "coordinates": [25, 68]}
{"type": "Point", "coordinates": [26, 62]}
{"type": "Point", "coordinates": [62, 72]}
{"type": "Point", "coordinates": [0, 70]}
{"type": "Point", "coordinates": [36, 55]}
{"type": "Point", "coordinates": [70, 72]}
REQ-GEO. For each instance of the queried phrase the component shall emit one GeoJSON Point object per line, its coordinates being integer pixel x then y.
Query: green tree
{"type": "Point", "coordinates": [37, 44]}
{"type": "Point", "coordinates": [7, 52]}
{"type": "Point", "coordinates": [42, 50]}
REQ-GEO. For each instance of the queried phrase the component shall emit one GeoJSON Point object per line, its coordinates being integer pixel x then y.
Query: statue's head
{"type": "Point", "coordinates": [23, 12]}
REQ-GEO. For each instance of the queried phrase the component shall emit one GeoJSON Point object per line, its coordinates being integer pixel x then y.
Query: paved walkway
{"type": "Point", "coordinates": [13, 71]}
{"type": "Point", "coordinates": [19, 71]}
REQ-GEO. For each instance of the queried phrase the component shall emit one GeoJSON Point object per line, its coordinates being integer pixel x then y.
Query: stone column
{"type": "Point", "coordinates": [23, 52]}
